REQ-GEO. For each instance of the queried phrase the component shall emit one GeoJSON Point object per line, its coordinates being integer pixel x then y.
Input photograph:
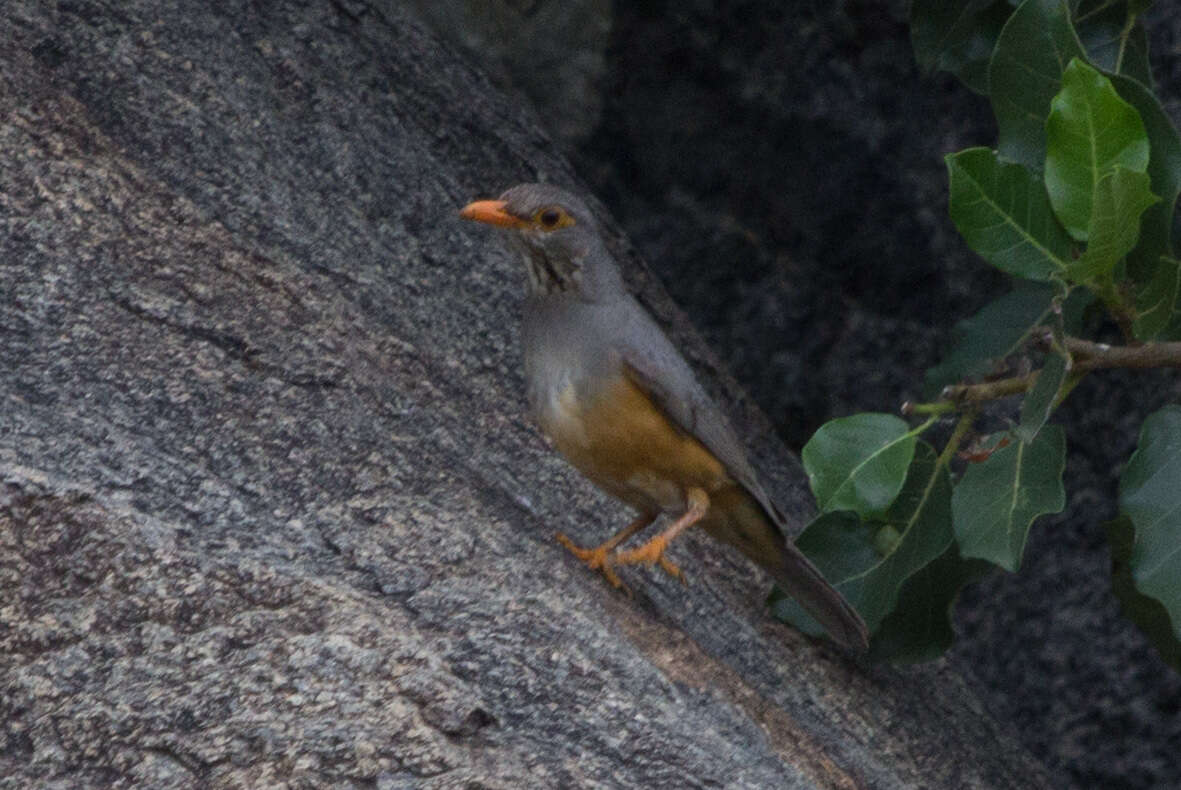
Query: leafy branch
{"type": "Point", "coordinates": [1085, 356]}
{"type": "Point", "coordinates": [1077, 203]}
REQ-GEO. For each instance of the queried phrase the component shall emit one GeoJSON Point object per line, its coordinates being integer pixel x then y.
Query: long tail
{"type": "Point", "coordinates": [799, 578]}
{"type": "Point", "coordinates": [737, 518]}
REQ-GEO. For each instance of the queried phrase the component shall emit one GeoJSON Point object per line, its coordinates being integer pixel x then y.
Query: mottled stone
{"type": "Point", "coordinates": [270, 514]}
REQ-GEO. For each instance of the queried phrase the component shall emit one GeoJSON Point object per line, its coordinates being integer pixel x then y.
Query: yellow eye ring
{"type": "Point", "coordinates": [552, 218]}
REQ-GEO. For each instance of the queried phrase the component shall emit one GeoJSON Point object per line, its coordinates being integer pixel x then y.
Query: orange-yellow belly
{"type": "Point", "coordinates": [624, 443]}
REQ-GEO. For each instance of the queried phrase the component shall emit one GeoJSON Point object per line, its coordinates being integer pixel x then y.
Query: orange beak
{"type": "Point", "coordinates": [492, 212]}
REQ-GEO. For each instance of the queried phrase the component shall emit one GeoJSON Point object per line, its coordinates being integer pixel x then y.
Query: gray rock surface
{"type": "Point", "coordinates": [270, 515]}
{"type": "Point", "coordinates": [553, 52]}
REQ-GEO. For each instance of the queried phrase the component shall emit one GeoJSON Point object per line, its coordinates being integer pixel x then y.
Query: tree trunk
{"type": "Point", "coordinates": [270, 512]}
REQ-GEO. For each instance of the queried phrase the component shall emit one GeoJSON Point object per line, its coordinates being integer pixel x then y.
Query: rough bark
{"type": "Point", "coordinates": [271, 514]}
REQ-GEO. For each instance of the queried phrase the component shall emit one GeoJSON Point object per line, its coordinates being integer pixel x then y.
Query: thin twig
{"type": "Point", "coordinates": [1089, 355]}
{"type": "Point", "coordinates": [1086, 356]}
{"type": "Point", "coordinates": [957, 436]}
{"type": "Point", "coordinates": [989, 390]}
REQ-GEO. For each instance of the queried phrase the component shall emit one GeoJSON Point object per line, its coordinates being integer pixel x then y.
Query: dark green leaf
{"type": "Point", "coordinates": [996, 331]}
{"type": "Point", "coordinates": [957, 36]}
{"type": "Point", "coordinates": [1173, 330]}
{"type": "Point", "coordinates": [997, 499]}
{"type": "Point", "coordinates": [1111, 44]}
{"type": "Point", "coordinates": [1156, 304]}
{"type": "Point", "coordinates": [919, 628]}
{"type": "Point", "coordinates": [1039, 401]}
{"type": "Point", "coordinates": [1090, 132]}
{"type": "Point", "coordinates": [1025, 72]}
{"type": "Point", "coordinates": [1003, 213]}
{"type": "Point", "coordinates": [999, 329]}
{"type": "Point", "coordinates": [1164, 167]}
{"type": "Point", "coordinates": [841, 545]}
{"type": "Point", "coordinates": [1149, 614]}
{"type": "Point", "coordinates": [1150, 495]}
{"type": "Point", "coordinates": [858, 463]}
{"type": "Point", "coordinates": [847, 551]}
{"type": "Point", "coordinates": [1120, 198]}
{"type": "Point", "coordinates": [937, 26]}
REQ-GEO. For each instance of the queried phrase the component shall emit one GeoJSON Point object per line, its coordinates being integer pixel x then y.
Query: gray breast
{"type": "Point", "coordinates": [567, 353]}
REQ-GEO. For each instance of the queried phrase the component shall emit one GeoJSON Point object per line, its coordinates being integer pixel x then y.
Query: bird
{"type": "Point", "coordinates": [621, 404]}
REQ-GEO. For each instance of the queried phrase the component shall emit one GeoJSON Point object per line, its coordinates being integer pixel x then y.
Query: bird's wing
{"type": "Point", "coordinates": [662, 373]}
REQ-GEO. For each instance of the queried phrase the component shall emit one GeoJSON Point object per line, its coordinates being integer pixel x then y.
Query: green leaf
{"type": "Point", "coordinates": [1003, 213]}
{"type": "Point", "coordinates": [1164, 167]}
{"type": "Point", "coordinates": [859, 462]}
{"type": "Point", "coordinates": [847, 552]}
{"type": "Point", "coordinates": [1149, 614]}
{"type": "Point", "coordinates": [1026, 69]}
{"type": "Point", "coordinates": [1090, 132]}
{"type": "Point", "coordinates": [841, 545]}
{"type": "Point", "coordinates": [919, 628]}
{"type": "Point", "coordinates": [1150, 495]}
{"type": "Point", "coordinates": [1111, 43]}
{"type": "Point", "coordinates": [1173, 330]}
{"type": "Point", "coordinates": [1120, 198]}
{"type": "Point", "coordinates": [1039, 401]}
{"type": "Point", "coordinates": [997, 331]}
{"type": "Point", "coordinates": [957, 36]}
{"type": "Point", "coordinates": [997, 499]}
{"type": "Point", "coordinates": [1156, 304]}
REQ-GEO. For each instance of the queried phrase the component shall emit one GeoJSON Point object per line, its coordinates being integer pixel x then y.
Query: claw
{"type": "Point", "coordinates": [651, 553]}
{"type": "Point", "coordinates": [648, 554]}
{"type": "Point", "coordinates": [672, 570]}
{"type": "Point", "coordinates": [597, 559]}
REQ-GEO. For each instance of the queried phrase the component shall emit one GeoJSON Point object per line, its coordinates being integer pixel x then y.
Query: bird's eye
{"type": "Point", "coordinates": [552, 218]}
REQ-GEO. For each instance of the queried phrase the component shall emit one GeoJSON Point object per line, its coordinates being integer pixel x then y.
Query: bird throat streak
{"type": "Point", "coordinates": [548, 275]}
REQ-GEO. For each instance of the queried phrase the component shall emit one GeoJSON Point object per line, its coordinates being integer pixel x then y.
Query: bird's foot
{"type": "Point", "coordinates": [597, 559]}
{"type": "Point", "coordinates": [651, 553]}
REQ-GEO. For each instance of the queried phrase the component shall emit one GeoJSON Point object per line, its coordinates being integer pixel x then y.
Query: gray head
{"type": "Point", "coordinates": [558, 238]}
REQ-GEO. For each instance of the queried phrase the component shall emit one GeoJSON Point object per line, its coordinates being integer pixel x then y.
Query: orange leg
{"type": "Point", "coordinates": [652, 552]}
{"type": "Point", "coordinates": [599, 557]}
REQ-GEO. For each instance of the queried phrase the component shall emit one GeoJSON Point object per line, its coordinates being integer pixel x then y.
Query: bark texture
{"type": "Point", "coordinates": [270, 514]}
